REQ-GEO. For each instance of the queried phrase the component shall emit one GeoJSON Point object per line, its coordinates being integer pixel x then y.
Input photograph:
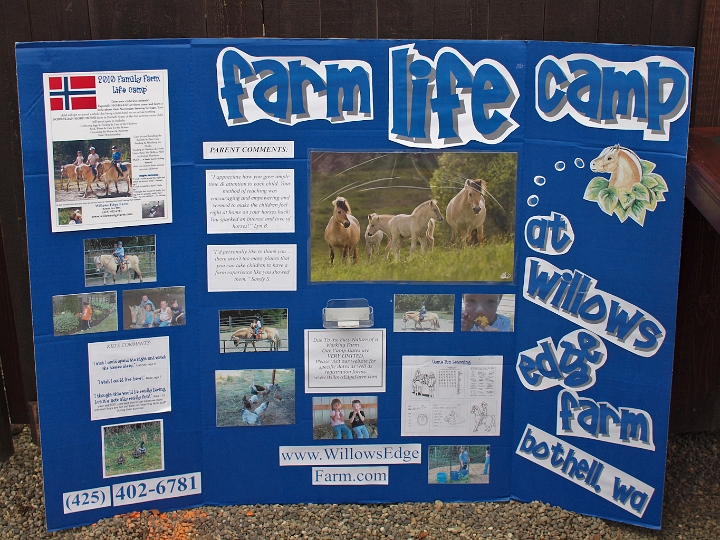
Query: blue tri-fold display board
{"type": "Point", "coordinates": [249, 256]}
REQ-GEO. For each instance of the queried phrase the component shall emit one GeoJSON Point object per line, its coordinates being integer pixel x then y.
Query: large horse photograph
{"type": "Point", "coordinates": [76, 175]}
{"type": "Point", "coordinates": [412, 216]}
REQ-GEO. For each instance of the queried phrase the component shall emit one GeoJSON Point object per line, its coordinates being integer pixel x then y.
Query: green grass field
{"type": "Point", "coordinates": [487, 262]}
{"type": "Point", "coordinates": [125, 443]}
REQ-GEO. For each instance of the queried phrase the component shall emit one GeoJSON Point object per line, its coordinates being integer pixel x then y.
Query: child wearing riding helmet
{"type": "Point", "coordinates": [120, 253]}
{"type": "Point", "coordinates": [116, 158]}
{"type": "Point", "coordinates": [79, 160]}
{"type": "Point", "coordinates": [92, 160]}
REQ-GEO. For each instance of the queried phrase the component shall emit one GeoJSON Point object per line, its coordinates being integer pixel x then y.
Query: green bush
{"type": "Point", "coordinates": [103, 306]}
{"type": "Point", "coordinates": [65, 323]}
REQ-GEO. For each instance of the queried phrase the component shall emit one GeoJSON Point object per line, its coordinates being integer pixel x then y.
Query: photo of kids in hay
{"type": "Point", "coordinates": [412, 216]}
{"type": "Point", "coordinates": [345, 417]}
{"type": "Point", "coordinates": [255, 397]}
{"type": "Point", "coordinates": [462, 464]}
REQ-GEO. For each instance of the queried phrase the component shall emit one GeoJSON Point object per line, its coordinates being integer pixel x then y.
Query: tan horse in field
{"type": "Point", "coordinates": [623, 165]}
{"type": "Point", "coordinates": [266, 332]}
{"type": "Point", "coordinates": [342, 231]}
{"type": "Point", "coordinates": [429, 317]}
{"type": "Point", "coordinates": [414, 226]}
{"type": "Point", "coordinates": [68, 172]}
{"type": "Point", "coordinates": [466, 213]}
{"type": "Point", "coordinates": [108, 265]}
{"type": "Point", "coordinates": [108, 173]}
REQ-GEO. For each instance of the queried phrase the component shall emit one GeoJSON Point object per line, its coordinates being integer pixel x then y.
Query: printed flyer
{"type": "Point", "coordinates": [333, 271]}
{"type": "Point", "coordinates": [108, 130]}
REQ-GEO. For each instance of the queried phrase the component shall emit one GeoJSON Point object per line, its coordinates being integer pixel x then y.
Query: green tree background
{"type": "Point", "coordinates": [433, 302]}
{"type": "Point", "coordinates": [499, 170]}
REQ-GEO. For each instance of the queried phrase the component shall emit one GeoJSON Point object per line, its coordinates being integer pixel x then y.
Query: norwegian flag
{"type": "Point", "coordinates": [72, 93]}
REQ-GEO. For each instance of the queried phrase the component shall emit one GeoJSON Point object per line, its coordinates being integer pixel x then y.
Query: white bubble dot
{"type": "Point", "coordinates": [560, 166]}
{"type": "Point", "coordinates": [539, 180]}
{"type": "Point", "coordinates": [579, 163]}
{"type": "Point", "coordinates": [533, 200]}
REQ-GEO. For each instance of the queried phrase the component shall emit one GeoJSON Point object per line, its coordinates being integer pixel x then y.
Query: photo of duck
{"type": "Point", "coordinates": [120, 459]}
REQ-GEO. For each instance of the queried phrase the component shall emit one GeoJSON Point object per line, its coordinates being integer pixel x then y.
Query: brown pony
{"type": "Point", "coordinates": [342, 231]}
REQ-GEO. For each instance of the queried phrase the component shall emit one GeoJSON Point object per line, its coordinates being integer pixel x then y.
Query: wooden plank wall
{"type": "Point", "coordinates": [663, 22]}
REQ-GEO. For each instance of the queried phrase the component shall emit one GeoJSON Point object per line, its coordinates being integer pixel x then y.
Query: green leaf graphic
{"type": "Point", "coordinates": [626, 198]}
{"type": "Point", "coordinates": [659, 179]}
{"type": "Point", "coordinates": [596, 185]}
{"type": "Point", "coordinates": [637, 212]}
{"type": "Point", "coordinates": [648, 182]}
{"type": "Point", "coordinates": [651, 204]}
{"type": "Point", "coordinates": [641, 192]}
{"type": "Point", "coordinates": [622, 213]}
{"type": "Point", "coordinates": [608, 200]}
{"type": "Point", "coordinates": [647, 166]}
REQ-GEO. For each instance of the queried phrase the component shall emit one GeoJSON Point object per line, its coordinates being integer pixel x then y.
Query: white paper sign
{"type": "Point", "coordinates": [248, 149]}
{"type": "Point", "coordinates": [129, 377]}
{"type": "Point", "coordinates": [451, 395]}
{"type": "Point", "coordinates": [250, 201]}
{"type": "Point", "coordinates": [100, 110]}
{"type": "Point", "coordinates": [345, 360]}
{"type": "Point", "coordinates": [257, 267]}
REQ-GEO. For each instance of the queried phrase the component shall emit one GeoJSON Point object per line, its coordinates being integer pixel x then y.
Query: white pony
{"type": "Point", "coordinates": [415, 226]}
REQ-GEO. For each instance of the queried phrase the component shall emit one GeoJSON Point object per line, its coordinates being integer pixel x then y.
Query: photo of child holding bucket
{"type": "Point", "coordinates": [458, 464]}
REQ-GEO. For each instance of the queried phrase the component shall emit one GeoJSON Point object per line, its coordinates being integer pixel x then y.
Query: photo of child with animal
{"type": "Point", "coordinates": [487, 313]}
{"type": "Point", "coordinates": [255, 397]}
{"type": "Point", "coordinates": [153, 209]}
{"type": "Point", "coordinates": [92, 167]}
{"type": "Point", "coordinates": [122, 259]}
{"type": "Point", "coordinates": [412, 216]}
{"type": "Point", "coordinates": [418, 312]}
{"type": "Point", "coordinates": [458, 464]}
{"type": "Point", "coordinates": [152, 308]}
{"type": "Point", "coordinates": [87, 313]}
{"type": "Point", "coordinates": [345, 417]}
{"type": "Point", "coordinates": [133, 448]}
{"type": "Point", "coordinates": [253, 330]}
{"type": "Point", "coordinates": [71, 215]}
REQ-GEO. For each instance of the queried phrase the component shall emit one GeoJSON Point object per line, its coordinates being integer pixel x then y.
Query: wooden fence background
{"type": "Point", "coordinates": [657, 22]}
